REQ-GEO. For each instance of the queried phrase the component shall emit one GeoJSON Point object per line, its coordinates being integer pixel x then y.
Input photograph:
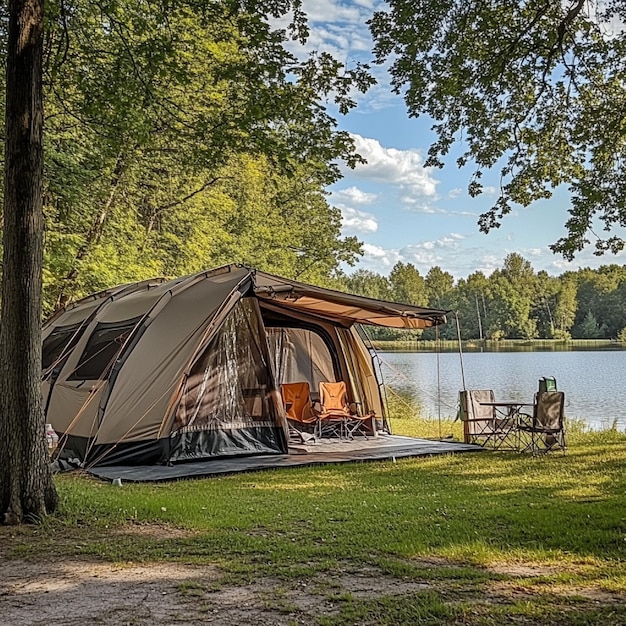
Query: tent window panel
{"type": "Point", "coordinates": [56, 342]}
{"type": "Point", "coordinates": [228, 387]}
{"type": "Point", "coordinates": [102, 349]}
{"type": "Point", "coordinates": [300, 355]}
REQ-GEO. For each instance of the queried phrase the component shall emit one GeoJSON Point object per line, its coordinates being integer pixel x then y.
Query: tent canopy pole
{"type": "Point", "coordinates": [458, 333]}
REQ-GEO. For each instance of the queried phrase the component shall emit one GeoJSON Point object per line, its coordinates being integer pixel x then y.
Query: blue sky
{"type": "Point", "coordinates": [402, 211]}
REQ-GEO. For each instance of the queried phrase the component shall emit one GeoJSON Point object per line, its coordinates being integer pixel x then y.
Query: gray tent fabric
{"type": "Point", "coordinates": [190, 369]}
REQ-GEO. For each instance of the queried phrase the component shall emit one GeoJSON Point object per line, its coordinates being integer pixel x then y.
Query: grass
{"type": "Point", "coordinates": [493, 538]}
{"type": "Point", "coordinates": [405, 412]}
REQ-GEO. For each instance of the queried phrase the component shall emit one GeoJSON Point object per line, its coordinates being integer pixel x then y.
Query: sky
{"type": "Point", "coordinates": [402, 211]}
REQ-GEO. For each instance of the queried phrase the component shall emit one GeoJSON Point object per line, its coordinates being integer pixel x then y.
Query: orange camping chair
{"type": "Point", "coordinates": [298, 407]}
{"type": "Point", "coordinates": [335, 413]}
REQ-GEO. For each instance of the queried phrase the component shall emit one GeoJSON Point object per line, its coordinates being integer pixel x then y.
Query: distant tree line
{"type": "Point", "coordinates": [514, 302]}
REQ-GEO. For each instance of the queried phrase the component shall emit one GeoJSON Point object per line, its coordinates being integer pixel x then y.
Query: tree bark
{"type": "Point", "coordinates": [26, 488]}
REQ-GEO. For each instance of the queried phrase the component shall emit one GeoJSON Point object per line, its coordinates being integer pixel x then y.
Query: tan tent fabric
{"type": "Point", "coordinates": [344, 308]}
{"type": "Point", "coordinates": [300, 355]}
{"type": "Point", "coordinates": [75, 409]}
{"type": "Point", "coordinates": [71, 322]}
{"type": "Point", "coordinates": [73, 316]}
{"type": "Point", "coordinates": [153, 370]}
{"type": "Point", "coordinates": [368, 389]}
{"type": "Point", "coordinates": [81, 309]}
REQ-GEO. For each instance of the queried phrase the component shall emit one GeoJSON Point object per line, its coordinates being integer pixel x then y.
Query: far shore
{"type": "Point", "coordinates": [502, 344]}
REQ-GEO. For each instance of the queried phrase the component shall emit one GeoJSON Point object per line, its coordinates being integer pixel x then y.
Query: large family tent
{"type": "Point", "coordinates": [189, 369]}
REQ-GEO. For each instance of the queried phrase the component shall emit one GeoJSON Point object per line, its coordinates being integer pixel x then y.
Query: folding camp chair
{"type": "Point", "coordinates": [483, 424]}
{"type": "Point", "coordinates": [335, 411]}
{"type": "Point", "coordinates": [546, 427]}
{"type": "Point", "coordinates": [357, 424]}
{"type": "Point", "coordinates": [298, 406]}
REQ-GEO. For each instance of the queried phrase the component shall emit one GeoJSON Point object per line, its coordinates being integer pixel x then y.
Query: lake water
{"type": "Point", "coordinates": [594, 382]}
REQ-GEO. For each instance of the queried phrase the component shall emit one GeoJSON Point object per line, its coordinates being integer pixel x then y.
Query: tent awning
{"type": "Point", "coordinates": [346, 309]}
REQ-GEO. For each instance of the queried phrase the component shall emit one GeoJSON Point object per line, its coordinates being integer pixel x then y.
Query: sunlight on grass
{"type": "Point", "coordinates": [405, 418]}
{"type": "Point", "coordinates": [550, 524]}
{"type": "Point", "coordinates": [316, 487]}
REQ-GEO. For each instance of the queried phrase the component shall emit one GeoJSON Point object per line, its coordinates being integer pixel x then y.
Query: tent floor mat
{"type": "Point", "coordinates": [383, 447]}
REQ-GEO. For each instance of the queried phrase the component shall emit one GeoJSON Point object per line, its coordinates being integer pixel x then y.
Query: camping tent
{"type": "Point", "coordinates": [160, 372]}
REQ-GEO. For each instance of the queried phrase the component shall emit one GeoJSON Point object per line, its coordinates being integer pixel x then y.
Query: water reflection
{"type": "Point", "coordinates": [593, 380]}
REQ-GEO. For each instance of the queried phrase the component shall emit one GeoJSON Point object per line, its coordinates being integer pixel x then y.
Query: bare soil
{"type": "Point", "coordinates": [79, 592]}
{"type": "Point", "coordinates": [73, 591]}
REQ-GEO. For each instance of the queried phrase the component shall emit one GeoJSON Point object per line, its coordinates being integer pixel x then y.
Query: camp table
{"type": "Point", "coordinates": [512, 417]}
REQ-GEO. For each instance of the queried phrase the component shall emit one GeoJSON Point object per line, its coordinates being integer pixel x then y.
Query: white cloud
{"type": "Point", "coordinates": [330, 12]}
{"type": "Point", "coordinates": [380, 96]}
{"type": "Point", "coordinates": [441, 251]}
{"type": "Point", "coordinates": [370, 5]}
{"type": "Point", "coordinates": [449, 241]}
{"type": "Point", "coordinates": [401, 168]}
{"type": "Point", "coordinates": [453, 254]}
{"type": "Point", "coordinates": [544, 259]}
{"type": "Point", "coordinates": [426, 255]}
{"type": "Point", "coordinates": [353, 195]}
{"type": "Point", "coordinates": [463, 213]}
{"type": "Point", "coordinates": [586, 258]}
{"type": "Point", "coordinates": [487, 190]}
{"type": "Point", "coordinates": [535, 252]}
{"type": "Point", "coordinates": [423, 255]}
{"type": "Point", "coordinates": [378, 259]}
{"type": "Point", "coordinates": [480, 262]}
{"type": "Point", "coordinates": [419, 205]}
{"type": "Point", "coordinates": [358, 221]}
{"type": "Point", "coordinates": [341, 30]}
{"type": "Point", "coordinates": [338, 28]}
{"type": "Point", "coordinates": [596, 12]}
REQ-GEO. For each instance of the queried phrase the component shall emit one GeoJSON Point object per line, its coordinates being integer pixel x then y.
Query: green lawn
{"type": "Point", "coordinates": [493, 537]}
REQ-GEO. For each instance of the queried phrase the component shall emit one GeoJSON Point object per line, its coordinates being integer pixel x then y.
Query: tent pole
{"type": "Point", "coordinates": [458, 334]}
{"type": "Point", "coordinates": [438, 350]}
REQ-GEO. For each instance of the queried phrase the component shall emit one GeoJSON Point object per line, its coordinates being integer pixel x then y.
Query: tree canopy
{"type": "Point", "coordinates": [533, 87]}
{"type": "Point", "coordinates": [181, 135]}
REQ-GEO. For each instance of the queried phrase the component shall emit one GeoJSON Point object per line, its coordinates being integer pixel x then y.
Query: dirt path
{"type": "Point", "coordinates": [78, 592]}
{"type": "Point", "coordinates": [81, 592]}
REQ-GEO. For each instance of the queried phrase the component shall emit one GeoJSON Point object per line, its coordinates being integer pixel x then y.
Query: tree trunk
{"type": "Point", "coordinates": [26, 488]}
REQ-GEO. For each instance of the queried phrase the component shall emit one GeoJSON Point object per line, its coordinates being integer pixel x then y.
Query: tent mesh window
{"type": "Point", "coordinates": [55, 343]}
{"type": "Point", "coordinates": [227, 388]}
{"type": "Point", "coordinates": [103, 347]}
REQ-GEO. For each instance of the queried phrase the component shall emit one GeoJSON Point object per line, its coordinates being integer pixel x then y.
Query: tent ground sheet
{"type": "Point", "coordinates": [383, 447]}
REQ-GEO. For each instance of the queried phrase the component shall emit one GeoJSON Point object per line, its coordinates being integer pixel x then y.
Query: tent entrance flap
{"type": "Point", "coordinates": [227, 406]}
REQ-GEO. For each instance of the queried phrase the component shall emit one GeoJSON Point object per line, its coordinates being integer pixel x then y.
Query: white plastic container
{"type": "Point", "coordinates": [51, 437]}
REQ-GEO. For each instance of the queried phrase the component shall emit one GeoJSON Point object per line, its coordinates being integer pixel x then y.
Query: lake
{"type": "Point", "coordinates": [594, 382]}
